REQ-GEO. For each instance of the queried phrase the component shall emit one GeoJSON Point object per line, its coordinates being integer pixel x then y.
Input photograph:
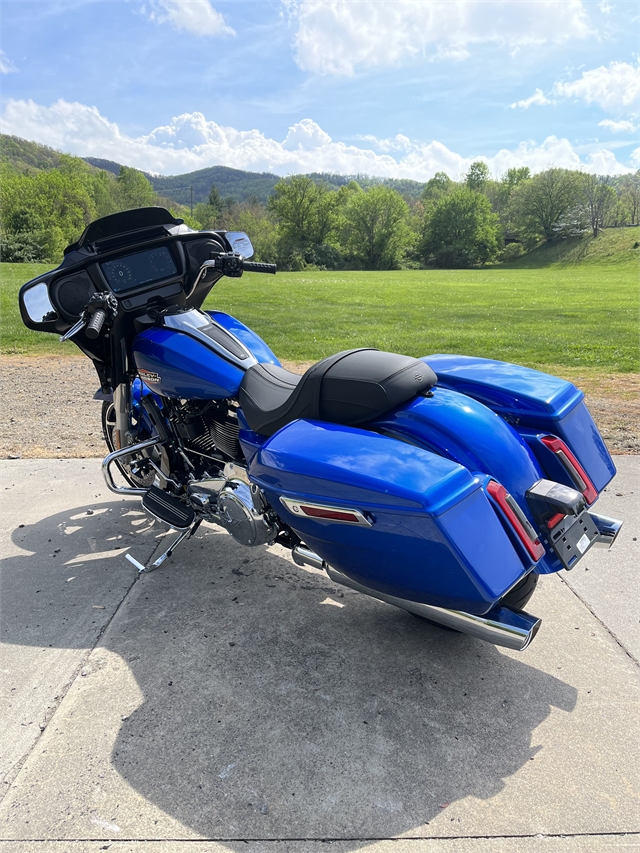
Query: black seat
{"type": "Point", "coordinates": [349, 388]}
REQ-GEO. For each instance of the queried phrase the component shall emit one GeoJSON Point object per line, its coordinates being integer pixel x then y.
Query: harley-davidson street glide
{"type": "Point", "coordinates": [444, 485]}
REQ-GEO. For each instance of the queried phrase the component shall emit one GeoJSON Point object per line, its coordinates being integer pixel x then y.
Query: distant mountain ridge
{"type": "Point", "coordinates": [231, 183]}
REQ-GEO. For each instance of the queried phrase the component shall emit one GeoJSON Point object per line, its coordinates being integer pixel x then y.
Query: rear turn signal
{"type": "Point", "coordinates": [517, 519]}
{"type": "Point", "coordinates": [573, 468]}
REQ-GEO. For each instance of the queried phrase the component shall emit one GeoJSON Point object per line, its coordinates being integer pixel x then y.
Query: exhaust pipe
{"type": "Point", "coordinates": [513, 629]}
{"type": "Point", "coordinates": [608, 529]}
{"type": "Point", "coordinates": [303, 556]}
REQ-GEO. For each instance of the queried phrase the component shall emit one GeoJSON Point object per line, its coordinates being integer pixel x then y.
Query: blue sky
{"type": "Point", "coordinates": [402, 88]}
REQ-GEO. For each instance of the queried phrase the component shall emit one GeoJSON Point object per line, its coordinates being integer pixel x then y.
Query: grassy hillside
{"type": "Point", "coordinates": [233, 183]}
{"type": "Point", "coordinates": [27, 156]}
{"type": "Point", "coordinates": [612, 247]}
{"type": "Point", "coordinates": [579, 317]}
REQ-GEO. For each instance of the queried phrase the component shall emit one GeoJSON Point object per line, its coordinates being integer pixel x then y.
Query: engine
{"type": "Point", "coordinates": [208, 427]}
{"type": "Point", "coordinates": [237, 506]}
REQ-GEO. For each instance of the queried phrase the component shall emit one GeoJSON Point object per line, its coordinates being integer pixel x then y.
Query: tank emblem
{"type": "Point", "coordinates": [149, 376]}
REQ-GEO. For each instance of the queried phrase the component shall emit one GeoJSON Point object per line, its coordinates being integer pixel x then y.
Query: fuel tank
{"type": "Point", "coordinates": [198, 355]}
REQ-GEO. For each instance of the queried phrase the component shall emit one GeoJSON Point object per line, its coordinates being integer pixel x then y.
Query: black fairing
{"type": "Point", "coordinates": [350, 388]}
{"type": "Point", "coordinates": [110, 238]}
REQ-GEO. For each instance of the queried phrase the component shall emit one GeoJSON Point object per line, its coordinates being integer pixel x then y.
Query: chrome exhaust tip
{"type": "Point", "coordinates": [303, 556]}
{"type": "Point", "coordinates": [502, 626]}
{"type": "Point", "coordinates": [608, 529]}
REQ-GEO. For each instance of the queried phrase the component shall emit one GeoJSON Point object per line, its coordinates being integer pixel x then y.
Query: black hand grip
{"type": "Point", "coordinates": [250, 266]}
{"type": "Point", "coordinates": [92, 329]}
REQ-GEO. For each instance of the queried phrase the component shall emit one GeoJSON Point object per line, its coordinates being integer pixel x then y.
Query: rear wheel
{"type": "Point", "coordinates": [518, 597]}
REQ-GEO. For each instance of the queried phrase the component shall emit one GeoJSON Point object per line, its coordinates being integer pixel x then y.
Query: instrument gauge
{"type": "Point", "coordinates": [120, 275]}
{"type": "Point", "coordinates": [161, 262]}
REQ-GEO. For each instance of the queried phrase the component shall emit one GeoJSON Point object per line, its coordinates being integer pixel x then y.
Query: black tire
{"type": "Point", "coordinates": [518, 597]}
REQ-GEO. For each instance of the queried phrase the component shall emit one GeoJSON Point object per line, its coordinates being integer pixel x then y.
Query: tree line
{"type": "Point", "coordinates": [309, 222]}
{"type": "Point", "coordinates": [471, 222]}
{"type": "Point", "coordinates": [44, 210]}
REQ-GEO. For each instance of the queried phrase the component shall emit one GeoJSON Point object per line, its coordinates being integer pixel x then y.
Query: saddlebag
{"type": "Point", "coordinates": [392, 516]}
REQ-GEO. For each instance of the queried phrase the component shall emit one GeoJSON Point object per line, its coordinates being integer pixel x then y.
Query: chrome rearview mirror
{"type": "Point", "coordinates": [38, 305]}
{"type": "Point", "coordinates": [240, 243]}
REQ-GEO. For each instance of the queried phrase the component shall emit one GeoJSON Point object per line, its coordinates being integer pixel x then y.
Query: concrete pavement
{"type": "Point", "coordinates": [234, 701]}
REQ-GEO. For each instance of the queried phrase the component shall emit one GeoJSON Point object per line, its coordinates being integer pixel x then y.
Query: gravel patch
{"type": "Point", "coordinates": [49, 411]}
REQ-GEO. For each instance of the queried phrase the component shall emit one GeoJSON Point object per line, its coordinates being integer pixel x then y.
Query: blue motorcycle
{"type": "Point", "coordinates": [444, 485]}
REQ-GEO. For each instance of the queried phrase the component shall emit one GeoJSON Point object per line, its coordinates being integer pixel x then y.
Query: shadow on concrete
{"type": "Point", "coordinates": [277, 705]}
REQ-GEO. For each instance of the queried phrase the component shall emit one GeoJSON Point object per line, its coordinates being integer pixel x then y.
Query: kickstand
{"type": "Point", "coordinates": [186, 534]}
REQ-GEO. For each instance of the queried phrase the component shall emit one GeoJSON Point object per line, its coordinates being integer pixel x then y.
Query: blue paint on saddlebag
{"type": "Point", "coordinates": [434, 536]}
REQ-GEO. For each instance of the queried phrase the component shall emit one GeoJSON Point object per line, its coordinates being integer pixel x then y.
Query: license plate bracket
{"type": "Point", "coordinates": [572, 537]}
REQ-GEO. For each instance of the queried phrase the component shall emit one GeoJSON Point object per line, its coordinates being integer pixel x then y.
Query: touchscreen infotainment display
{"type": "Point", "coordinates": [142, 268]}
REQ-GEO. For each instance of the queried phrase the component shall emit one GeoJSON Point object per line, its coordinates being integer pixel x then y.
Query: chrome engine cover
{"type": "Point", "coordinates": [238, 515]}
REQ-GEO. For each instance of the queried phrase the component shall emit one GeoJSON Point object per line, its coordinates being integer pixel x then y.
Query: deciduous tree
{"type": "Point", "coordinates": [477, 176]}
{"type": "Point", "coordinates": [135, 188]}
{"type": "Point", "coordinates": [596, 198]}
{"type": "Point", "coordinates": [375, 225]}
{"type": "Point", "coordinates": [545, 207]}
{"type": "Point", "coordinates": [462, 230]}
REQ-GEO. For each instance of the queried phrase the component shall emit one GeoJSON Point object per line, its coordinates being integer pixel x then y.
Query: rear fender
{"type": "Point", "coordinates": [462, 429]}
{"type": "Point", "coordinates": [536, 404]}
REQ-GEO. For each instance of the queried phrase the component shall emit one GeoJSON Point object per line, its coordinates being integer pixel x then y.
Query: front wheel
{"type": "Point", "coordinates": [139, 479]}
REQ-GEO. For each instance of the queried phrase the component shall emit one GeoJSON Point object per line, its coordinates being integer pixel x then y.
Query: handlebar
{"type": "Point", "coordinates": [95, 324]}
{"type": "Point", "coordinates": [232, 264]}
{"type": "Point", "coordinates": [251, 266]}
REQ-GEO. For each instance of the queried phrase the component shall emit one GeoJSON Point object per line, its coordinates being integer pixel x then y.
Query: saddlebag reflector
{"type": "Point", "coordinates": [330, 513]}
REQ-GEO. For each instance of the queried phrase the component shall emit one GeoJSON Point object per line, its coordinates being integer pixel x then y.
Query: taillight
{"type": "Point", "coordinates": [517, 519]}
{"type": "Point", "coordinates": [571, 465]}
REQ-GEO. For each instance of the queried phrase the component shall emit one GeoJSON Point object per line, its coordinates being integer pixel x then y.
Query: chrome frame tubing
{"type": "Point", "coordinates": [118, 454]}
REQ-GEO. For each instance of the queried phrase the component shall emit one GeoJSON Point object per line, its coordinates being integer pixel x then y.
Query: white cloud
{"type": "Point", "coordinates": [306, 135]}
{"type": "Point", "coordinates": [615, 89]}
{"type": "Point", "coordinates": [195, 16]}
{"type": "Point", "coordinates": [539, 98]}
{"type": "Point", "coordinates": [635, 158]}
{"type": "Point", "coordinates": [6, 65]}
{"type": "Point", "coordinates": [617, 126]}
{"type": "Point", "coordinates": [190, 141]}
{"type": "Point", "coordinates": [338, 36]}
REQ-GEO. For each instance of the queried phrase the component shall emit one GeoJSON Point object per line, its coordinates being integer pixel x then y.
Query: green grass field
{"type": "Point", "coordinates": [577, 316]}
